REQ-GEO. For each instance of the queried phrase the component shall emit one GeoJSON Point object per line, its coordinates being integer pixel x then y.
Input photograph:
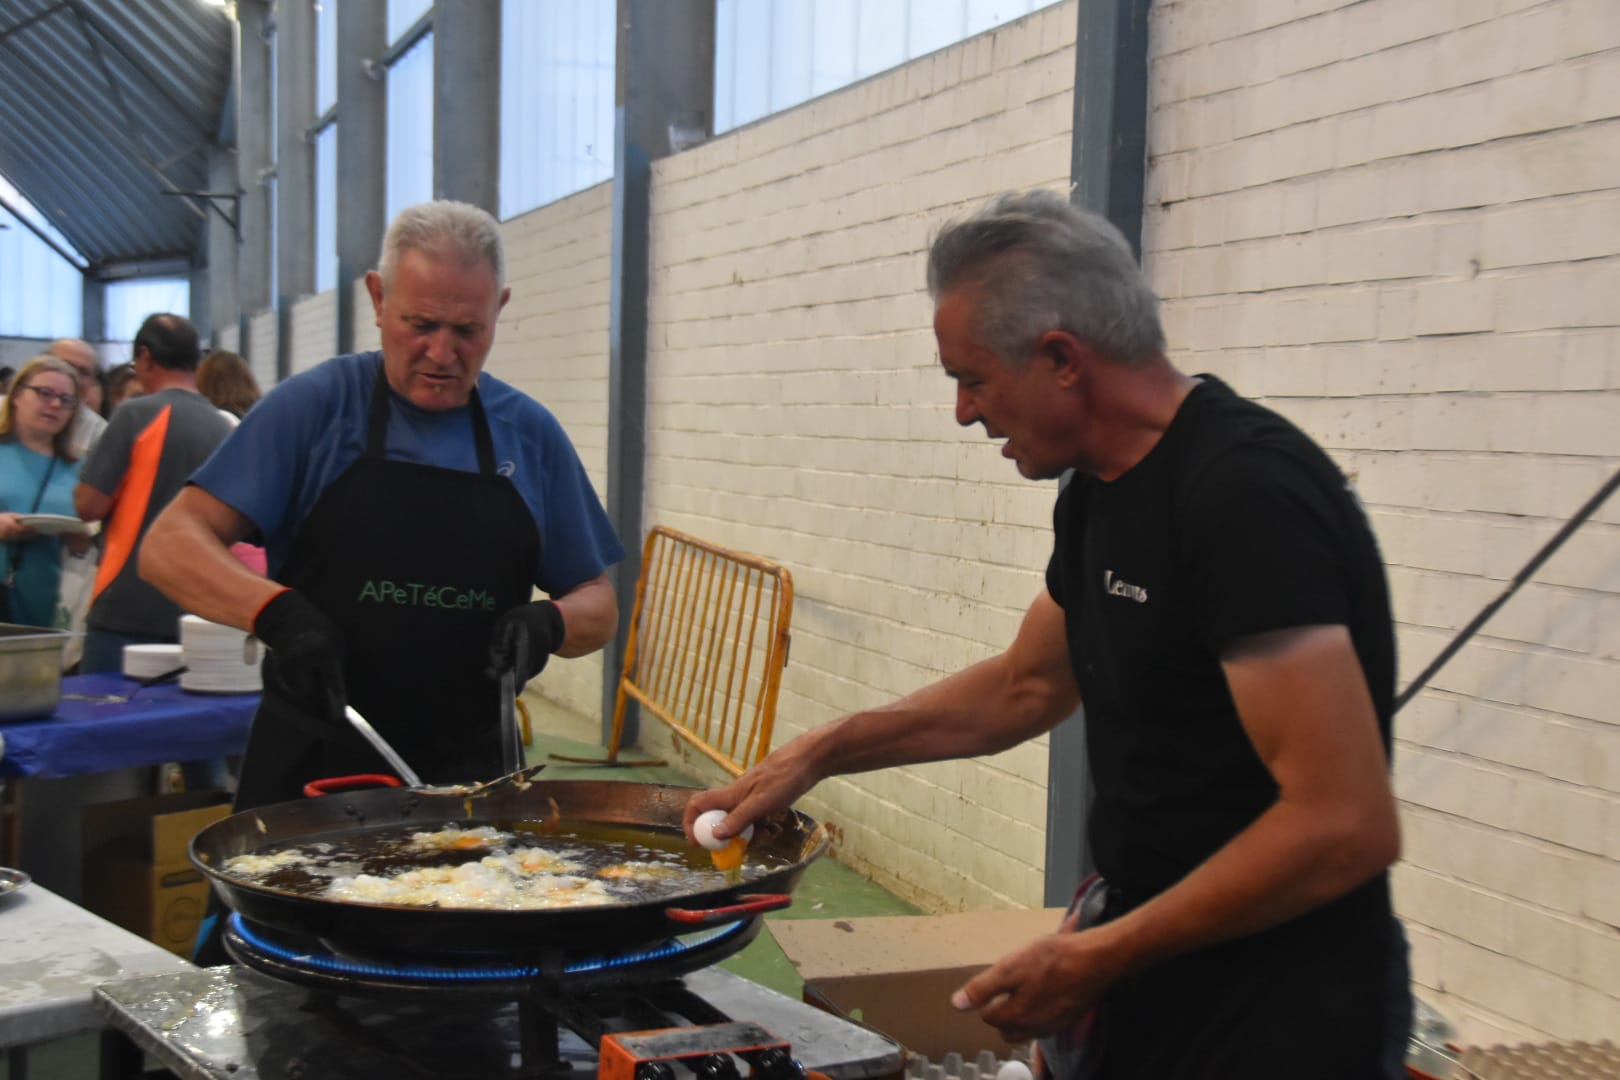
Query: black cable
{"type": "Point", "coordinates": [1519, 579]}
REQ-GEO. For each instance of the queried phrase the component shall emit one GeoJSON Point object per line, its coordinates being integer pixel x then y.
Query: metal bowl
{"type": "Point", "coordinates": [30, 671]}
{"type": "Point", "coordinates": [12, 880]}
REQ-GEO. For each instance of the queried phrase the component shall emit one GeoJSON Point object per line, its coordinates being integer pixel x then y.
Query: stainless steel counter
{"type": "Point", "coordinates": [53, 954]}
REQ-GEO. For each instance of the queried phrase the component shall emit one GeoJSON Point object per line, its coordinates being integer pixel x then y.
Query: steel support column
{"type": "Point", "coordinates": [1107, 170]}
{"type": "Point", "coordinates": [295, 168]}
{"type": "Point", "coordinates": [665, 87]}
{"type": "Point", "coordinates": [254, 102]}
{"type": "Point", "coordinates": [467, 103]}
{"type": "Point", "coordinates": [201, 317]}
{"type": "Point", "coordinates": [93, 316]}
{"type": "Point", "coordinates": [362, 138]}
{"type": "Point", "coordinates": [223, 308]}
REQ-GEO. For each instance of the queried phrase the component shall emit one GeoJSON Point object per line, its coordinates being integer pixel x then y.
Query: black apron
{"type": "Point", "coordinates": [414, 563]}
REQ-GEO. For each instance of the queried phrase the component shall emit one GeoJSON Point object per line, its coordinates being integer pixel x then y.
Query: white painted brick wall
{"type": "Point", "coordinates": [230, 338]}
{"type": "Point", "coordinates": [796, 409]}
{"type": "Point", "coordinates": [552, 343]}
{"type": "Point", "coordinates": [314, 330]}
{"type": "Point", "coordinates": [261, 348]}
{"type": "Point", "coordinates": [1399, 224]}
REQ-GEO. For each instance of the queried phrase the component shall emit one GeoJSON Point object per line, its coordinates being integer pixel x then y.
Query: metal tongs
{"type": "Point", "coordinates": [519, 776]}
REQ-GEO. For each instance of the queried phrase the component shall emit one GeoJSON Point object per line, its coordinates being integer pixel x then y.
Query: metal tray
{"type": "Point", "coordinates": [30, 671]}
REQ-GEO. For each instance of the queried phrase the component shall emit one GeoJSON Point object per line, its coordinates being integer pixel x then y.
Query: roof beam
{"type": "Point", "coordinates": [32, 19]}
{"type": "Point", "coordinates": [88, 20]}
{"type": "Point", "coordinates": [113, 85]}
{"type": "Point", "coordinates": [132, 269]}
{"type": "Point", "coordinates": [115, 133]}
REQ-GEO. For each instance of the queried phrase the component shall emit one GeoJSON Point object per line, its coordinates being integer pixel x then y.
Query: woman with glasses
{"type": "Point", "coordinates": [37, 474]}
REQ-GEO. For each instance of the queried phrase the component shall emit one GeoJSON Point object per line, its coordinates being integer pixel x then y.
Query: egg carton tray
{"type": "Point", "coordinates": [986, 1066]}
{"type": "Point", "coordinates": [1541, 1061]}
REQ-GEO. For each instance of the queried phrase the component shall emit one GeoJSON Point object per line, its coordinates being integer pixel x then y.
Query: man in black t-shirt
{"type": "Point", "coordinates": [1216, 600]}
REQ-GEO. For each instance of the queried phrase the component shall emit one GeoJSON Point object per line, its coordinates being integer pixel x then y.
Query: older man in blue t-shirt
{"type": "Point", "coordinates": [409, 505]}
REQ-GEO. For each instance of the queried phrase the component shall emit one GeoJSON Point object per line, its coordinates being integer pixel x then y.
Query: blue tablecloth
{"type": "Point", "coordinates": [158, 724]}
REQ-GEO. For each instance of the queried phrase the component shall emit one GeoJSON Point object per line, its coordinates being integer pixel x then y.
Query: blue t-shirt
{"type": "Point", "coordinates": [306, 432]}
{"type": "Point", "coordinates": [39, 561]}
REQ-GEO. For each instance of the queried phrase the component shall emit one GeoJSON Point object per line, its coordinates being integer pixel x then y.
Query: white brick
{"type": "Point", "coordinates": [1512, 987]}
{"type": "Point", "coordinates": [261, 354]}
{"type": "Point", "coordinates": [314, 330]}
{"type": "Point", "coordinates": [1454, 307]}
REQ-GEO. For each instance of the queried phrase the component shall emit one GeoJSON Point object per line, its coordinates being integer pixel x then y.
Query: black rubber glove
{"type": "Point", "coordinates": [305, 665]}
{"type": "Point", "coordinates": [524, 639]}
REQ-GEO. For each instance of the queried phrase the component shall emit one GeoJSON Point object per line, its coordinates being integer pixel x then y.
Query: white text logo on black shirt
{"type": "Point", "coordinates": [1116, 587]}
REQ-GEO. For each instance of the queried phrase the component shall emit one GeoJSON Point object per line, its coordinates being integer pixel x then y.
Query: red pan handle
{"type": "Point", "coordinates": [753, 904]}
{"type": "Point", "coordinates": [333, 784]}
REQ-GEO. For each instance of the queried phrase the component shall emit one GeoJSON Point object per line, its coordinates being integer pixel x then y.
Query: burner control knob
{"type": "Point", "coordinates": [716, 1067]}
{"type": "Point", "coordinates": [773, 1063]}
{"type": "Point", "coordinates": [654, 1070]}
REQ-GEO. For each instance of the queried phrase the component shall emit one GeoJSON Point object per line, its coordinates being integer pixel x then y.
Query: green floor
{"type": "Point", "coordinates": [828, 890]}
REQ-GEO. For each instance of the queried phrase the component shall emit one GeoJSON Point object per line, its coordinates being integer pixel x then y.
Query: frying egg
{"type": "Point", "coordinates": [703, 830]}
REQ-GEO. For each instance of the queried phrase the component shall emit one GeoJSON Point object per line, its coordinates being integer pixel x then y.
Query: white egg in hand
{"type": "Point", "coordinates": [703, 829]}
{"type": "Point", "coordinates": [1013, 1070]}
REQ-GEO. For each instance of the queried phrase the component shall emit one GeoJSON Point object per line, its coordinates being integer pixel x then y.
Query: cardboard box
{"type": "Point", "coordinates": [896, 973]}
{"type": "Point", "coordinates": [136, 869]}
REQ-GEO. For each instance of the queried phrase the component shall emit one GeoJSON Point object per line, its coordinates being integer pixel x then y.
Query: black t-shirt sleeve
{"type": "Point", "coordinates": [1260, 536]}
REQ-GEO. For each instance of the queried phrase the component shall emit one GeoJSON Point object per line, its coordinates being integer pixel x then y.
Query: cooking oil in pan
{"type": "Point", "coordinates": [503, 865]}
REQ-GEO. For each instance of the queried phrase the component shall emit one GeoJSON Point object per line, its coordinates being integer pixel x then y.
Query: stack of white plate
{"type": "Point", "coordinates": [219, 659]}
{"type": "Point", "coordinates": [150, 661]}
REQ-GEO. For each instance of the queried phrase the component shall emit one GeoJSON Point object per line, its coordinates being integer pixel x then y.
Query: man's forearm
{"type": "Point", "coordinates": [1289, 861]}
{"type": "Point", "coordinates": [983, 709]}
{"type": "Point", "coordinates": [590, 616]}
{"type": "Point", "coordinates": [192, 566]}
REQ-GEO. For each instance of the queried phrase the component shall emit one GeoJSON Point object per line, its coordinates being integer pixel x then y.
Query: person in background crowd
{"type": "Point", "coordinates": [224, 378]}
{"type": "Point", "coordinates": [121, 386]}
{"type": "Point", "coordinates": [88, 423]}
{"type": "Point", "coordinates": [1216, 600]}
{"type": "Point", "coordinates": [7, 373]}
{"type": "Point", "coordinates": [37, 472]}
{"type": "Point", "coordinates": [373, 472]}
{"type": "Point", "coordinates": [152, 444]}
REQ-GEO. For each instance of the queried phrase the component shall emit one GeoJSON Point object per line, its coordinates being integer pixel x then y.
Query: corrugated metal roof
{"type": "Point", "coordinates": [106, 105]}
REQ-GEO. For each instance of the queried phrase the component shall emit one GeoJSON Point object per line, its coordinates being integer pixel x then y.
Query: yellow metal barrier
{"type": "Point", "coordinates": [708, 642]}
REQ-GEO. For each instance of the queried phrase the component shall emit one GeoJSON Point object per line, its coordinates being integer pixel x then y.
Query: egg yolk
{"type": "Point", "coordinates": [731, 856]}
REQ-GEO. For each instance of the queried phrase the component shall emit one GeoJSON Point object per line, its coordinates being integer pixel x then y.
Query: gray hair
{"type": "Point", "coordinates": [1043, 264]}
{"type": "Point", "coordinates": [444, 228]}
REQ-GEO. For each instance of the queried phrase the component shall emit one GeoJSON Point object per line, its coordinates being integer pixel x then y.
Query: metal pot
{"type": "Point", "coordinates": [791, 841]}
{"type": "Point", "coordinates": [30, 671]}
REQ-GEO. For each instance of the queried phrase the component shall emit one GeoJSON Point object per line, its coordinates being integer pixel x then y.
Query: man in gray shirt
{"type": "Point", "coordinates": [150, 448]}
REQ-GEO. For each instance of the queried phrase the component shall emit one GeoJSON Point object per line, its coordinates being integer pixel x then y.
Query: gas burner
{"type": "Point", "coordinates": [234, 1021]}
{"type": "Point", "coordinates": [315, 963]}
{"type": "Point", "coordinates": [596, 999]}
